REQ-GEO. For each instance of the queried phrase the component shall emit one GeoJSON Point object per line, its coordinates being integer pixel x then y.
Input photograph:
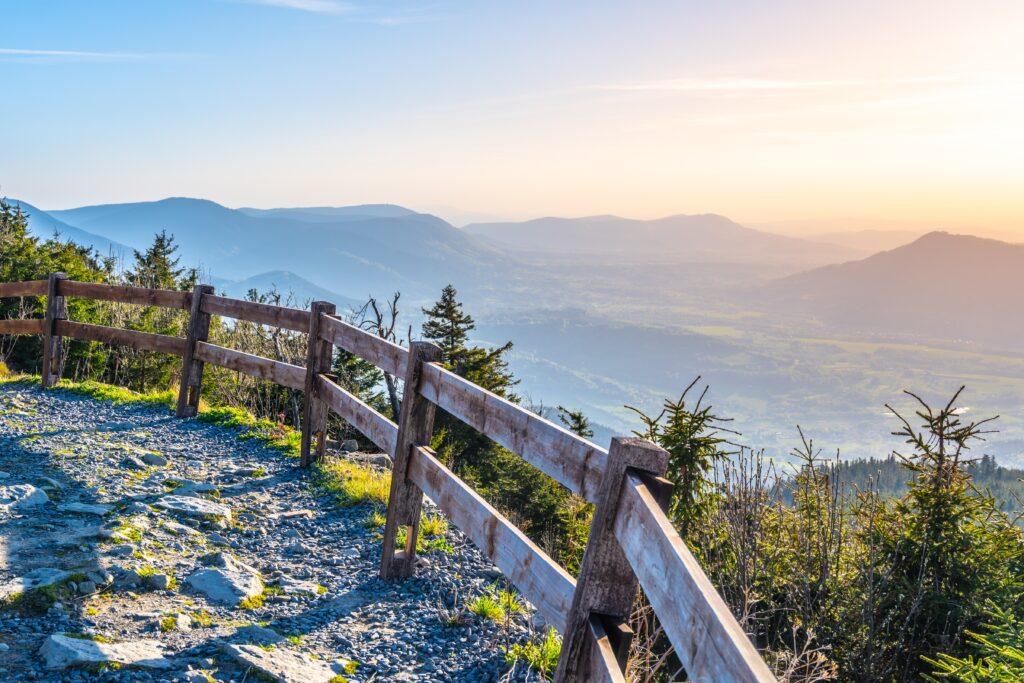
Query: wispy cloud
{"type": "Point", "coordinates": [84, 56]}
{"type": "Point", "coordinates": [758, 84]}
{"type": "Point", "coordinates": [361, 13]}
{"type": "Point", "coordinates": [317, 6]}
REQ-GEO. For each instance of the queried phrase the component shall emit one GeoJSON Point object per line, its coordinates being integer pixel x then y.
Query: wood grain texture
{"type": "Point", "coordinates": [16, 326]}
{"type": "Point", "coordinates": [127, 295]}
{"type": "Point", "coordinates": [708, 640]}
{"type": "Point", "coordinates": [570, 460]}
{"type": "Point", "coordinates": [143, 341]}
{"type": "Point", "coordinates": [368, 421]}
{"type": "Point", "coordinates": [191, 382]}
{"type": "Point", "coordinates": [537, 576]}
{"type": "Point", "coordinates": [26, 288]}
{"type": "Point", "coordinates": [604, 664]}
{"type": "Point", "coordinates": [285, 374]}
{"type": "Point", "coordinates": [389, 357]}
{"type": "Point", "coordinates": [265, 314]}
{"type": "Point", "coordinates": [606, 583]}
{"type": "Point", "coordinates": [56, 312]}
{"type": "Point", "coordinates": [319, 354]}
{"type": "Point", "coordinates": [405, 499]}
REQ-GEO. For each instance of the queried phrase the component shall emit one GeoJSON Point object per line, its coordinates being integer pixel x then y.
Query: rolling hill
{"type": "Point", "coordinates": [946, 286]}
{"type": "Point", "coordinates": [373, 249]}
{"type": "Point", "coordinates": [45, 225]}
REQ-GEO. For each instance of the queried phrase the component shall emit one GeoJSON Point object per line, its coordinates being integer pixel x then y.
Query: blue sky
{"type": "Point", "coordinates": [762, 111]}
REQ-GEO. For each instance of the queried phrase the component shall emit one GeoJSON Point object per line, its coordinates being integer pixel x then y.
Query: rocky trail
{"type": "Point", "coordinates": [135, 546]}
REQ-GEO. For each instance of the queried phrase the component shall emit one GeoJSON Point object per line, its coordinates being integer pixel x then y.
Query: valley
{"type": "Point", "coordinates": [605, 312]}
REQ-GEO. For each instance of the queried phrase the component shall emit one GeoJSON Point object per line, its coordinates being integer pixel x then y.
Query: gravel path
{"type": "Point", "coordinates": [156, 577]}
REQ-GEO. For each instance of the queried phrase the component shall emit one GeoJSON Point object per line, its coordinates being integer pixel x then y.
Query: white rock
{"type": "Point", "coordinates": [228, 584]}
{"type": "Point", "coordinates": [292, 586]}
{"type": "Point", "coordinates": [37, 578]}
{"type": "Point", "coordinates": [60, 652]}
{"type": "Point", "coordinates": [286, 666]}
{"type": "Point", "coordinates": [21, 496]}
{"type": "Point", "coordinates": [194, 507]}
{"type": "Point", "coordinates": [154, 459]}
{"type": "Point", "coordinates": [86, 508]}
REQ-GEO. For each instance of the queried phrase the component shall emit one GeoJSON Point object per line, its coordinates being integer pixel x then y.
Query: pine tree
{"type": "Point", "coordinates": [157, 267]}
{"type": "Point", "coordinates": [575, 421]}
{"type": "Point", "coordinates": [448, 326]}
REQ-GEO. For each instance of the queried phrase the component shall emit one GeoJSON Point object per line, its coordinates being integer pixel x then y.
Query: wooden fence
{"type": "Point", "coordinates": [632, 542]}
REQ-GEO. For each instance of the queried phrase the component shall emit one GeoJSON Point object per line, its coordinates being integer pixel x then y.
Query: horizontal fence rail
{"type": "Point", "coordinates": [368, 421]}
{"type": "Point", "coordinates": [537, 576]}
{"type": "Point", "coordinates": [16, 326]}
{"type": "Point", "coordinates": [708, 641]}
{"type": "Point", "coordinates": [573, 462]}
{"type": "Point", "coordinates": [27, 288]}
{"type": "Point", "coordinates": [632, 541]}
{"type": "Point", "coordinates": [142, 341]}
{"type": "Point", "coordinates": [388, 356]}
{"type": "Point", "coordinates": [265, 314]}
{"type": "Point", "coordinates": [141, 296]}
{"type": "Point", "coordinates": [285, 374]}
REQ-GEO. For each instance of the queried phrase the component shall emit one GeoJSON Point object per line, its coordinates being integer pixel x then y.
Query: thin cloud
{"type": "Point", "coordinates": [85, 56]}
{"type": "Point", "coordinates": [315, 6]}
{"type": "Point", "coordinates": [757, 84]}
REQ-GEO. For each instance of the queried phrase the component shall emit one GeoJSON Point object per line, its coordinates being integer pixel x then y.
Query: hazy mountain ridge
{"type": "Point", "coordinates": [941, 285]}
{"type": "Point", "coordinates": [679, 238]}
{"type": "Point", "coordinates": [44, 225]}
{"type": "Point", "coordinates": [355, 253]}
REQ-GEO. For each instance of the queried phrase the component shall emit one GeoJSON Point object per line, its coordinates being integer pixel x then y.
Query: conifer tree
{"type": "Point", "coordinates": [448, 326]}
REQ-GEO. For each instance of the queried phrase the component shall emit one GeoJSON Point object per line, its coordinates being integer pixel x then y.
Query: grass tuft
{"type": "Point", "coordinates": [350, 483]}
{"type": "Point", "coordinates": [541, 655]}
{"type": "Point", "coordinates": [486, 606]}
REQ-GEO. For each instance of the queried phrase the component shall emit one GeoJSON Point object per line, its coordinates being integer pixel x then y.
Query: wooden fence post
{"type": "Point", "coordinates": [596, 626]}
{"type": "Point", "coordinates": [319, 355]}
{"type": "Point", "coordinates": [56, 309]}
{"type": "Point", "coordinates": [415, 428]}
{"type": "Point", "coordinates": [191, 367]}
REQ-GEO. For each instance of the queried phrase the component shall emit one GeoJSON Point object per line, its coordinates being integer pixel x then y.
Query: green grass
{"type": "Point", "coordinates": [486, 606]}
{"type": "Point", "coordinates": [273, 434]}
{"type": "Point", "coordinates": [351, 484]}
{"type": "Point", "coordinates": [168, 624]}
{"type": "Point", "coordinates": [433, 525]}
{"type": "Point", "coordinates": [202, 618]}
{"type": "Point", "coordinates": [541, 655]}
{"type": "Point", "coordinates": [120, 395]}
{"type": "Point", "coordinates": [509, 601]}
{"type": "Point", "coordinates": [376, 520]}
{"type": "Point", "coordinates": [87, 636]}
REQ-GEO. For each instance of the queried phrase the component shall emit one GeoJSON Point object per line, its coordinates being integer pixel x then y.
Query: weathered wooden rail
{"type": "Point", "coordinates": [632, 542]}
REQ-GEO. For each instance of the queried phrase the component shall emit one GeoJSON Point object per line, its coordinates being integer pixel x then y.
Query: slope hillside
{"type": "Point", "coordinates": [941, 285]}
{"type": "Point", "coordinates": [357, 251]}
{"type": "Point", "coordinates": [704, 237]}
{"type": "Point", "coordinates": [45, 225]}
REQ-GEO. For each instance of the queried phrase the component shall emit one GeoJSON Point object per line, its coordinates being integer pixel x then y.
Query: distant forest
{"type": "Point", "coordinates": [890, 478]}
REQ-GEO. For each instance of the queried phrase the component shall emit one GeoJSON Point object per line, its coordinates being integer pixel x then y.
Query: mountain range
{"type": "Point", "coordinates": [941, 285]}
{"type": "Point", "coordinates": [605, 310]}
{"type": "Point", "coordinates": [682, 238]}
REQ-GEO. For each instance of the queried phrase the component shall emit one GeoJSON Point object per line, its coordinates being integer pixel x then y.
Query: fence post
{"type": "Point", "coordinates": [415, 428]}
{"type": "Point", "coordinates": [191, 368]}
{"type": "Point", "coordinates": [319, 354]}
{"type": "Point", "coordinates": [56, 309]}
{"type": "Point", "coordinates": [607, 585]}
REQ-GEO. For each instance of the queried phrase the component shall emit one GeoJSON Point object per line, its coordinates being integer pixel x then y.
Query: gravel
{"type": "Point", "coordinates": [318, 559]}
